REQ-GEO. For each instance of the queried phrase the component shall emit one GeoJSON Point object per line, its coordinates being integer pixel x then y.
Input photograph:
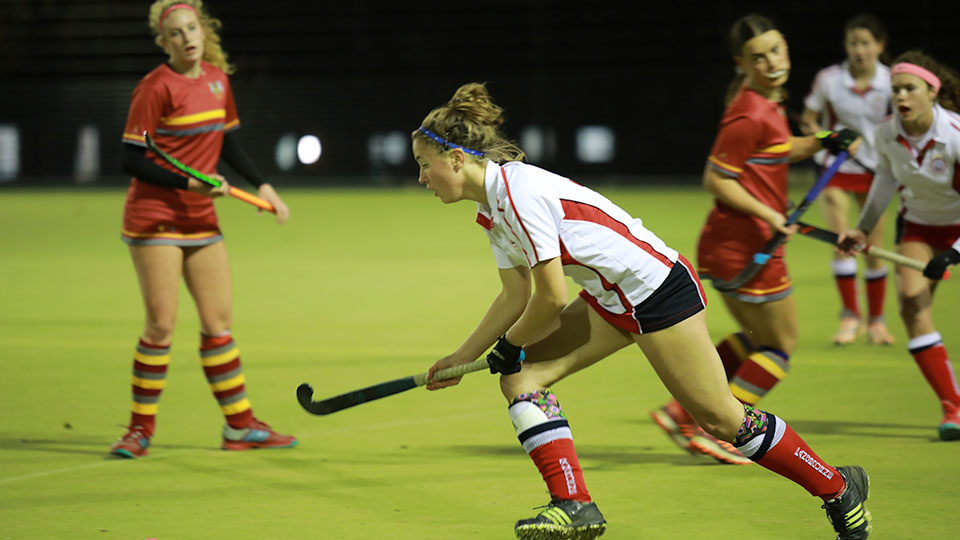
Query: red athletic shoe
{"type": "Point", "coordinates": [256, 435]}
{"type": "Point", "coordinates": [676, 423]}
{"type": "Point", "coordinates": [724, 452]}
{"type": "Point", "coordinates": [133, 444]}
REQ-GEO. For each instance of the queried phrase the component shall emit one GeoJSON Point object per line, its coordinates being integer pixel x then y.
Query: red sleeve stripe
{"type": "Point", "coordinates": [585, 212]}
{"type": "Point", "coordinates": [484, 221]}
{"type": "Point", "coordinates": [567, 259]}
{"type": "Point", "coordinates": [520, 221]}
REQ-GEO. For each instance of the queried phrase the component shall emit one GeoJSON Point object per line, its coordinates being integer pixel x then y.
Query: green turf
{"type": "Point", "coordinates": [364, 286]}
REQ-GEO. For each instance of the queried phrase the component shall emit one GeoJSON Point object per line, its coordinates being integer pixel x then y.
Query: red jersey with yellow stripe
{"type": "Point", "coordinates": [188, 118]}
{"type": "Point", "coordinates": [752, 146]}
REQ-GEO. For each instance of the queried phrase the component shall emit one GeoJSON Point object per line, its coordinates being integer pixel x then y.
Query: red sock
{"type": "Point", "coordinates": [936, 368]}
{"type": "Point", "coordinates": [733, 351]}
{"type": "Point", "coordinates": [763, 370]}
{"type": "Point", "coordinates": [560, 468]}
{"type": "Point", "coordinates": [149, 378]}
{"type": "Point", "coordinates": [771, 443]}
{"type": "Point", "coordinates": [845, 275]}
{"type": "Point", "coordinates": [876, 292]}
{"type": "Point", "coordinates": [221, 364]}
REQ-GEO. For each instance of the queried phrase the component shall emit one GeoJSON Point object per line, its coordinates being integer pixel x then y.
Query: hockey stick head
{"type": "Point", "coordinates": [305, 395]}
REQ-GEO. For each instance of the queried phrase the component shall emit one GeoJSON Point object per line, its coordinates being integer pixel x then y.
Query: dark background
{"type": "Point", "coordinates": [655, 73]}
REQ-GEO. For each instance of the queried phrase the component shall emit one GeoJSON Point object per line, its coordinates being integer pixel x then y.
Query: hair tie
{"type": "Point", "coordinates": [167, 12]}
{"type": "Point", "coordinates": [924, 74]}
{"type": "Point", "coordinates": [448, 144]}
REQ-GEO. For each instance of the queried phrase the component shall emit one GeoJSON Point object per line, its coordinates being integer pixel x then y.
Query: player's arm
{"type": "Point", "coordinates": [506, 308]}
{"type": "Point", "coordinates": [729, 191]}
{"type": "Point", "coordinates": [810, 122]}
{"type": "Point", "coordinates": [882, 190]}
{"type": "Point", "coordinates": [134, 161]}
{"type": "Point", "coordinates": [238, 159]}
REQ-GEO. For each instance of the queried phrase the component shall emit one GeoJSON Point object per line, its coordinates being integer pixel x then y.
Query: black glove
{"type": "Point", "coordinates": [938, 265]}
{"type": "Point", "coordinates": [836, 141]}
{"type": "Point", "coordinates": [505, 357]}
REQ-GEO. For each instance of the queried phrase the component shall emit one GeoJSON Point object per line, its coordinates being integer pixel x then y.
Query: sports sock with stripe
{"type": "Point", "coordinates": [150, 364]}
{"type": "Point", "coordinates": [762, 371]}
{"type": "Point", "coordinates": [845, 275]}
{"type": "Point", "coordinates": [876, 292]}
{"type": "Point", "coordinates": [221, 364]}
{"type": "Point", "coordinates": [734, 350]}
{"type": "Point", "coordinates": [545, 434]}
{"type": "Point", "coordinates": [931, 357]}
{"type": "Point", "coordinates": [771, 443]}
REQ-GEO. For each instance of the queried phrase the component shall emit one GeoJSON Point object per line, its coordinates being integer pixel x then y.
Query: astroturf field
{"type": "Point", "coordinates": [363, 286]}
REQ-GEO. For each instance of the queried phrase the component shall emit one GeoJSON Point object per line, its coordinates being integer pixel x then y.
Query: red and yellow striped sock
{"type": "Point", "coordinates": [876, 292]}
{"type": "Point", "coordinates": [221, 364]}
{"type": "Point", "coordinates": [759, 374]}
{"type": "Point", "coordinates": [149, 377]}
{"type": "Point", "coordinates": [734, 350]}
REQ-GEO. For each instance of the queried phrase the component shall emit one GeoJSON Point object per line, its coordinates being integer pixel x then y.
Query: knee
{"type": "Point", "coordinates": [159, 330]}
{"type": "Point", "coordinates": [910, 307]}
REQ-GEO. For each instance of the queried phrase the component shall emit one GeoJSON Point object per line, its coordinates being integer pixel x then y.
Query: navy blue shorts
{"type": "Point", "coordinates": [679, 297]}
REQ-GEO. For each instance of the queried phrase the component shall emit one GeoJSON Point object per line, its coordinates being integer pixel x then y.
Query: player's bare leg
{"type": "Point", "coordinates": [915, 294]}
{"type": "Point", "coordinates": [206, 272]}
{"type": "Point", "coordinates": [581, 339]}
{"type": "Point", "coordinates": [158, 272]}
{"type": "Point", "coordinates": [687, 363]}
{"type": "Point", "coordinates": [835, 204]}
{"type": "Point", "coordinates": [875, 277]}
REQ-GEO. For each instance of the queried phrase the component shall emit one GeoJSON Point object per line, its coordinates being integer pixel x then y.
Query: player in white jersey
{"type": "Point", "coordinates": [854, 94]}
{"type": "Point", "coordinates": [919, 155]}
{"type": "Point", "coordinates": [636, 289]}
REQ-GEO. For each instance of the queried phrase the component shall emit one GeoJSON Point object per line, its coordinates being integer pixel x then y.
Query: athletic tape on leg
{"type": "Point", "coordinates": [759, 432]}
{"type": "Point", "coordinates": [538, 419]}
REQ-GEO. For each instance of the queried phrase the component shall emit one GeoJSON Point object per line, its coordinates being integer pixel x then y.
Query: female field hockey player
{"type": "Point", "coordinates": [854, 94]}
{"type": "Point", "coordinates": [636, 289]}
{"type": "Point", "coordinates": [919, 156]}
{"type": "Point", "coordinates": [171, 227]}
{"type": "Point", "coordinates": [747, 174]}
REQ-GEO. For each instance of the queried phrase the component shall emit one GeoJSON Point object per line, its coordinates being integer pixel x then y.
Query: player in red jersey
{"type": "Point", "coordinates": [747, 174]}
{"type": "Point", "coordinates": [171, 227]}
{"type": "Point", "coordinates": [635, 290]}
{"type": "Point", "coordinates": [854, 94]}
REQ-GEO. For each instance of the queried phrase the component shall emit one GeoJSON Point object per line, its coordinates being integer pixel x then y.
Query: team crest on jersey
{"type": "Point", "coordinates": [939, 164]}
{"type": "Point", "coordinates": [216, 88]}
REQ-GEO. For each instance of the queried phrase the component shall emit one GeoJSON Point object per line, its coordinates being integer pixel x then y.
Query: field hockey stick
{"type": "Point", "coordinates": [234, 191]}
{"type": "Point", "coordinates": [761, 257]}
{"type": "Point", "coordinates": [377, 391]}
{"type": "Point", "coordinates": [828, 237]}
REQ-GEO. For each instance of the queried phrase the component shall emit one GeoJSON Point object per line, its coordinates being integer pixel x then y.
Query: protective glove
{"type": "Point", "coordinates": [505, 357]}
{"type": "Point", "coordinates": [836, 141]}
{"type": "Point", "coordinates": [938, 265]}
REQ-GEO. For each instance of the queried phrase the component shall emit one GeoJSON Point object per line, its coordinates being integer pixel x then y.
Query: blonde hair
{"type": "Point", "coordinates": [212, 52]}
{"type": "Point", "coordinates": [471, 120]}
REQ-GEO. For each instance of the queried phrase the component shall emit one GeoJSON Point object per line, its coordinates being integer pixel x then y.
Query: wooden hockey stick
{"type": "Point", "coordinates": [234, 191]}
{"type": "Point", "coordinates": [828, 237]}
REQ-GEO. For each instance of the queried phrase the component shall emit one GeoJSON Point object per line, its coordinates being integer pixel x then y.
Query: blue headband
{"type": "Point", "coordinates": [448, 144]}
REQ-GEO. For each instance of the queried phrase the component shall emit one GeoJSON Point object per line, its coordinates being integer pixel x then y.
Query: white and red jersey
{"type": "Point", "coordinates": [535, 215]}
{"type": "Point", "coordinates": [927, 171]}
{"type": "Point", "coordinates": [842, 105]}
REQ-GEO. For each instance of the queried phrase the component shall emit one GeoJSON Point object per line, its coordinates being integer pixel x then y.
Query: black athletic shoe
{"type": "Point", "coordinates": [563, 519]}
{"type": "Point", "coordinates": [847, 513]}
